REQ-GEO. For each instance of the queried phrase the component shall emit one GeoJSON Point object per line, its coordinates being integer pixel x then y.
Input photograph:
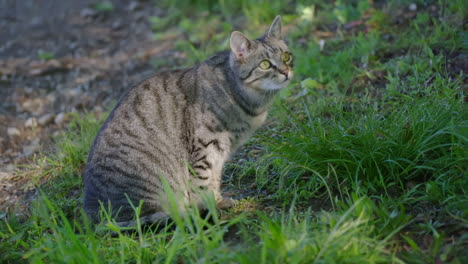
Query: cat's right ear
{"type": "Point", "coordinates": [240, 45]}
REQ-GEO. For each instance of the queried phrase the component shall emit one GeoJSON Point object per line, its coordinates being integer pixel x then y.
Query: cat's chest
{"type": "Point", "coordinates": [241, 130]}
{"type": "Point", "coordinates": [257, 121]}
{"type": "Point", "coordinates": [253, 124]}
{"type": "Point", "coordinates": [230, 126]}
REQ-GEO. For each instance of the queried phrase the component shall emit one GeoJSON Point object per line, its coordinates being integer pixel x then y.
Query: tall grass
{"type": "Point", "coordinates": [372, 152]}
{"type": "Point", "coordinates": [289, 237]}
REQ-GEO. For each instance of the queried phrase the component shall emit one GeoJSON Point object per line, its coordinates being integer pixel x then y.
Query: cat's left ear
{"type": "Point", "coordinates": [240, 45]}
{"type": "Point", "coordinates": [274, 31]}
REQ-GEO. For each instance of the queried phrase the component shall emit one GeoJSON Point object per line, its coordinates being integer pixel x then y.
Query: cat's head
{"type": "Point", "coordinates": [263, 64]}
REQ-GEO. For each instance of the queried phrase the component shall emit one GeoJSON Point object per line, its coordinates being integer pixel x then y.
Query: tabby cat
{"type": "Point", "coordinates": [183, 125]}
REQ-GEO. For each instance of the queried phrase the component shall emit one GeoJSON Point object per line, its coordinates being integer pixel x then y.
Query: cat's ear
{"type": "Point", "coordinates": [274, 31]}
{"type": "Point", "coordinates": [240, 45]}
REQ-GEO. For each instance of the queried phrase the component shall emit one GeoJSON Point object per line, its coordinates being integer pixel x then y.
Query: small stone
{"type": "Point", "coordinates": [73, 92]}
{"type": "Point", "coordinates": [46, 119]}
{"type": "Point", "coordinates": [10, 168]}
{"type": "Point", "coordinates": [98, 111]}
{"type": "Point", "coordinates": [31, 148]}
{"type": "Point", "coordinates": [133, 6]}
{"type": "Point", "coordinates": [13, 131]}
{"type": "Point", "coordinates": [34, 106]}
{"type": "Point", "coordinates": [387, 37]}
{"type": "Point", "coordinates": [59, 118]}
{"type": "Point", "coordinates": [117, 25]}
{"type": "Point", "coordinates": [413, 7]}
{"type": "Point", "coordinates": [88, 12]}
{"type": "Point", "coordinates": [322, 44]}
{"type": "Point", "coordinates": [52, 96]}
{"type": "Point", "coordinates": [4, 175]}
{"type": "Point", "coordinates": [31, 122]}
{"type": "Point", "coordinates": [36, 21]}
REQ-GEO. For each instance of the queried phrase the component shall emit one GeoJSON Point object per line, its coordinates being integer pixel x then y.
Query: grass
{"type": "Point", "coordinates": [364, 160]}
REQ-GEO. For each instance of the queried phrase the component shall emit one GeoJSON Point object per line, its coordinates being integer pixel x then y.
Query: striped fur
{"type": "Point", "coordinates": [194, 118]}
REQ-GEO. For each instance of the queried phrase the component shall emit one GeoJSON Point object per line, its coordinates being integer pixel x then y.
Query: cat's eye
{"type": "Point", "coordinates": [285, 57]}
{"type": "Point", "coordinates": [264, 65]}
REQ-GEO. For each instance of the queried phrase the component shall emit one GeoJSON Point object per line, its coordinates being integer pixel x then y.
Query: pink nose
{"type": "Point", "coordinates": [284, 71]}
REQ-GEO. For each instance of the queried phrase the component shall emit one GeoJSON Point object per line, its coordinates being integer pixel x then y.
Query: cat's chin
{"type": "Point", "coordinates": [269, 90]}
{"type": "Point", "coordinates": [278, 87]}
{"type": "Point", "coordinates": [274, 86]}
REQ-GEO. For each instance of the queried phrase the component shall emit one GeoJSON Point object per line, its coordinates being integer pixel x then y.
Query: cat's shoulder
{"type": "Point", "coordinates": [218, 59]}
{"type": "Point", "coordinates": [161, 78]}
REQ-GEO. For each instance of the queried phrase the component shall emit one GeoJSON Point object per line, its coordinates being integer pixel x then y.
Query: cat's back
{"type": "Point", "coordinates": [153, 109]}
{"type": "Point", "coordinates": [142, 137]}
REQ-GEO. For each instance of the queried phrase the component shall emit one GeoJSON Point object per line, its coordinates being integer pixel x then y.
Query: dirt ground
{"type": "Point", "coordinates": [59, 57]}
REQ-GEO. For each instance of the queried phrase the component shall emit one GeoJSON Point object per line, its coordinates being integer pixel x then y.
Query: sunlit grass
{"type": "Point", "coordinates": [289, 237]}
{"type": "Point", "coordinates": [366, 154]}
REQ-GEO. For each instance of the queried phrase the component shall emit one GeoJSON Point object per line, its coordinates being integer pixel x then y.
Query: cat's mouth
{"type": "Point", "coordinates": [288, 76]}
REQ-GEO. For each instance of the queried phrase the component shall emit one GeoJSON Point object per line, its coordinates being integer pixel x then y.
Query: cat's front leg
{"type": "Point", "coordinates": [208, 158]}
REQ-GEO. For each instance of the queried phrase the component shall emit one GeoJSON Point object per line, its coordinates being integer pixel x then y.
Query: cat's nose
{"type": "Point", "coordinates": [284, 71]}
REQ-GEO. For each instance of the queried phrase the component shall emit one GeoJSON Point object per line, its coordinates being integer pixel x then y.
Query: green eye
{"type": "Point", "coordinates": [264, 65]}
{"type": "Point", "coordinates": [285, 57]}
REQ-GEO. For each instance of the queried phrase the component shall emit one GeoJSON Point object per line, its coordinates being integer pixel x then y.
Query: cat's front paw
{"type": "Point", "coordinates": [226, 203]}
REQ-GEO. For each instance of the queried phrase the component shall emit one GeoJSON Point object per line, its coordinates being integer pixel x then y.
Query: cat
{"type": "Point", "coordinates": [181, 126]}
